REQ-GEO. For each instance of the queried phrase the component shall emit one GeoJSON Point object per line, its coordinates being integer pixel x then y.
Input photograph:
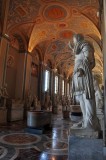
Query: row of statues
{"type": "Point", "coordinates": [32, 102]}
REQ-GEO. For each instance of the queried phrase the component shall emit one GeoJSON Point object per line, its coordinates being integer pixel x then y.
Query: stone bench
{"type": "Point", "coordinates": [36, 119]}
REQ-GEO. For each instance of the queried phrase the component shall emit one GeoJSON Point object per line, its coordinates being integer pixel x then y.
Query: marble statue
{"type": "Point", "coordinates": [1, 92]}
{"type": "Point", "coordinates": [29, 100]}
{"type": "Point", "coordinates": [47, 100]}
{"type": "Point", "coordinates": [98, 94]}
{"type": "Point", "coordinates": [5, 93]}
{"type": "Point", "coordinates": [38, 108]}
{"type": "Point", "coordinates": [35, 99]}
{"type": "Point", "coordinates": [82, 82]}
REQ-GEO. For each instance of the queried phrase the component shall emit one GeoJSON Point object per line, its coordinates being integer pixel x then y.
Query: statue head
{"type": "Point", "coordinates": [77, 38]}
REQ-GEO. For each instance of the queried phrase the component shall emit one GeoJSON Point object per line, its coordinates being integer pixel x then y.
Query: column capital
{"type": "Point", "coordinates": [54, 70]}
{"type": "Point", "coordinates": [61, 75]}
{"type": "Point", "coordinates": [6, 36]}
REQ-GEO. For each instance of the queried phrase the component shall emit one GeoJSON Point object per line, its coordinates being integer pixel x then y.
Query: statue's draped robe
{"type": "Point", "coordinates": [82, 87]}
{"type": "Point", "coordinates": [84, 59]}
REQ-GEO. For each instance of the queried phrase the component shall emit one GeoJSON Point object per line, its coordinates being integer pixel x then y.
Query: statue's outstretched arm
{"type": "Point", "coordinates": [71, 46]}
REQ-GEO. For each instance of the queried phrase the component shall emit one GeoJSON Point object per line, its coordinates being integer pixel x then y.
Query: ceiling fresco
{"type": "Point", "coordinates": [50, 24]}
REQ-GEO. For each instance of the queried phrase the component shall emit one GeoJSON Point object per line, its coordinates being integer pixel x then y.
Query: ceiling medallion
{"type": "Point", "coordinates": [55, 13]}
{"type": "Point", "coordinates": [67, 34]}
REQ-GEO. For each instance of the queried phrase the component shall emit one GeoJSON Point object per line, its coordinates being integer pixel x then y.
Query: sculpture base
{"type": "Point", "coordinates": [3, 115]}
{"type": "Point", "coordinates": [85, 148]}
{"type": "Point", "coordinates": [100, 116]}
{"type": "Point", "coordinates": [89, 133]}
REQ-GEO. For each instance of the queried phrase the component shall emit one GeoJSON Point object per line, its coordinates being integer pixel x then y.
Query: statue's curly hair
{"type": "Point", "coordinates": [79, 37]}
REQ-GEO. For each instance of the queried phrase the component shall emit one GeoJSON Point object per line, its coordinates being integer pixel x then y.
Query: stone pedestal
{"type": "Point", "coordinates": [104, 153]}
{"type": "Point", "coordinates": [100, 116]}
{"type": "Point", "coordinates": [81, 148]}
{"type": "Point", "coordinates": [89, 133]}
{"type": "Point", "coordinates": [36, 119]}
{"type": "Point", "coordinates": [3, 115]}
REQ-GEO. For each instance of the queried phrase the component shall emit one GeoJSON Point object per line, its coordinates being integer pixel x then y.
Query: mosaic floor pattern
{"type": "Point", "coordinates": [20, 139]}
{"type": "Point", "coordinates": [16, 144]}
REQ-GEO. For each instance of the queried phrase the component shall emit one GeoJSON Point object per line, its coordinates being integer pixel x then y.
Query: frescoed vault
{"type": "Point", "coordinates": [48, 26]}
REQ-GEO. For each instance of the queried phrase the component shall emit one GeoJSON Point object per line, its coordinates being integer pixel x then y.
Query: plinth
{"type": "Point", "coordinates": [89, 133]}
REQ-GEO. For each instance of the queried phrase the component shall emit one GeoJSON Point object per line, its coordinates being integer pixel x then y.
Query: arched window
{"type": "Point", "coordinates": [47, 80]}
{"type": "Point", "coordinates": [62, 87]}
{"type": "Point", "coordinates": [68, 89]}
{"type": "Point", "coordinates": [56, 85]}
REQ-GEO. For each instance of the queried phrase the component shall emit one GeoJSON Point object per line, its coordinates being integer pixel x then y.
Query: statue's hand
{"type": "Point", "coordinates": [80, 72]}
{"type": "Point", "coordinates": [70, 45]}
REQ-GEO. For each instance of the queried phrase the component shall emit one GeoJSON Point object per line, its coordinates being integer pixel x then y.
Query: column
{"type": "Point", "coordinates": [51, 84]}
{"type": "Point", "coordinates": [41, 82]}
{"type": "Point", "coordinates": [21, 75]}
{"type": "Point", "coordinates": [61, 77]}
{"type": "Point", "coordinates": [104, 53]}
{"type": "Point", "coordinates": [4, 41]}
{"type": "Point", "coordinates": [65, 85]}
{"type": "Point", "coordinates": [27, 74]}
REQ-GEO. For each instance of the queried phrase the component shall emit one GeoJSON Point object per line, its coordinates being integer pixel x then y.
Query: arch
{"type": "Point", "coordinates": [23, 45]}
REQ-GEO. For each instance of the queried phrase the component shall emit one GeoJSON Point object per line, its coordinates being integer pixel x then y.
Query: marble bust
{"type": "Point", "coordinates": [82, 82]}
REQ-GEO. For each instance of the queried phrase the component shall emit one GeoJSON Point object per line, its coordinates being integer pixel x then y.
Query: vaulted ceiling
{"type": "Point", "coordinates": [48, 25]}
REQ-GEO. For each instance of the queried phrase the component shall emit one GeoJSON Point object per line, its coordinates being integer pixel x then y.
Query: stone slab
{"type": "Point", "coordinates": [84, 133]}
{"type": "Point", "coordinates": [85, 148]}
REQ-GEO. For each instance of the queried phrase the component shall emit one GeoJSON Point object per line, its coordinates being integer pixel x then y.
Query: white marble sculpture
{"type": "Point", "coordinates": [29, 100]}
{"type": "Point", "coordinates": [38, 108]}
{"type": "Point", "coordinates": [47, 103]}
{"type": "Point", "coordinates": [1, 92]}
{"type": "Point", "coordinates": [5, 93]}
{"type": "Point", "coordinates": [82, 82]}
{"type": "Point", "coordinates": [35, 98]}
{"type": "Point", "coordinates": [98, 94]}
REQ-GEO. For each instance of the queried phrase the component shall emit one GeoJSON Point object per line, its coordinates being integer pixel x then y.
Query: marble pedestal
{"type": "Point", "coordinates": [81, 148]}
{"type": "Point", "coordinates": [36, 119]}
{"type": "Point", "coordinates": [104, 152]}
{"type": "Point", "coordinates": [100, 116]}
{"type": "Point", "coordinates": [89, 133]}
{"type": "Point", "coordinates": [3, 115]}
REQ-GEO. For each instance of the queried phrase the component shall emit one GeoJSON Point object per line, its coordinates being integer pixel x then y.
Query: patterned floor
{"type": "Point", "coordinates": [17, 144]}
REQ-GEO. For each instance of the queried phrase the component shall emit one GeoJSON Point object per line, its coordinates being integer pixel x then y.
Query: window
{"type": "Point", "coordinates": [56, 85]}
{"type": "Point", "coordinates": [67, 89]}
{"type": "Point", "coordinates": [47, 79]}
{"type": "Point", "coordinates": [62, 87]}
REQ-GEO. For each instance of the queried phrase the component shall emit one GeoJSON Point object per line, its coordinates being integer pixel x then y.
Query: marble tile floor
{"type": "Point", "coordinates": [16, 144]}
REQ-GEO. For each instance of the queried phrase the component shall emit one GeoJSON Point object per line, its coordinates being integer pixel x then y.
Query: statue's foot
{"type": "Point", "coordinates": [79, 125]}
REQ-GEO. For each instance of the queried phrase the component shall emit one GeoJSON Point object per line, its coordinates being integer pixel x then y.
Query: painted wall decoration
{"type": "Point", "coordinates": [50, 24]}
{"type": "Point", "coordinates": [34, 70]}
{"type": "Point", "coordinates": [14, 42]}
{"type": "Point", "coordinates": [22, 10]}
{"type": "Point", "coordinates": [10, 61]}
{"type": "Point", "coordinates": [66, 34]}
